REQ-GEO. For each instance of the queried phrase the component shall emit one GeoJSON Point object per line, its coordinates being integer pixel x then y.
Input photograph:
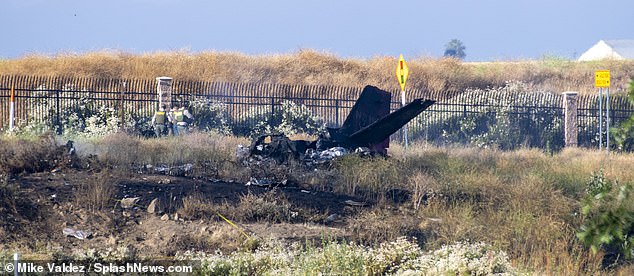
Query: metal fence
{"type": "Point", "coordinates": [46, 100]}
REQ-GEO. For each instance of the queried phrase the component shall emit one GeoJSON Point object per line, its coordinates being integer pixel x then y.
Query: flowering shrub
{"type": "Point", "coordinates": [401, 257]}
{"type": "Point", "coordinates": [460, 258]}
{"type": "Point", "coordinates": [598, 184]}
{"type": "Point", "coordinates": [210, 115]}
{"type": "Point", "coordinates": [289, 118]}
{"type": "Point", "coordinates": [37, 128]}
{"type": "Point", "coordinates": [102, 121]}
{"type": "Point", "coordinates": [391, 257]}
{"type": "Point", "coordinates": [508, 117]}
{"type": "Point", "coordinates": [77, 115]}
{"type": "Point", "coordinates": [80, 115]}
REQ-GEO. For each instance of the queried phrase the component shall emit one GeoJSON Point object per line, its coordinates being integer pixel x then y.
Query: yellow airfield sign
{"type": "Point", "coordinates": [402, 72]}
{"type": "Point", "coordinates": [602, 78]}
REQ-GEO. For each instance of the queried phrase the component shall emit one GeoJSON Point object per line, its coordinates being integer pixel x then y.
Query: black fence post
{"type": "Point", "coordinates": [122, 107]}
{"type": "Point", "coordinates": [58, 120]}
{"type": "Point", "coordinates": [530, 118]}
{"type": "Point", "coordinates": [337, 112]}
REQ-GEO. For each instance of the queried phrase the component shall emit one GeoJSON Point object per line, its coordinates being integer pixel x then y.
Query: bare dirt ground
{"type": "Point", "coordinates": [46, 203]}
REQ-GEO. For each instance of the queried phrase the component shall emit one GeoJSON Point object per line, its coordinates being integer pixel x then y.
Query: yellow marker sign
{"type": "Point", "coordinates": [402, 72]}
{"type": "Point", "coordinates": [602, 78]}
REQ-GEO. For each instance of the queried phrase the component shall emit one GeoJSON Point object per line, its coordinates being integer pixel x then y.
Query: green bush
{"type": "Point", "coordinates": [210, 115]}
{"type": "Point", "coordinates": [608, 216]}
{"type": "Point", "coordinates": [289, 118]}
{"type": "Point", "coordinates": [508, 117]}
{"type": "Point", "coordinates": [624, 133]}
{"type": "Point", "coordinates": [77, 115]}
{"type": "Point", "coordinates": [598, 185]}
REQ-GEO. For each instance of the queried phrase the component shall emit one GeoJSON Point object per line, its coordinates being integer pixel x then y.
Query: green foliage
{"type": "Point", "coordinates": [210, 115]}
{"type": "Point", "coordinates": [289, 118]}
{"type": "Point", "coordinates": [597, 184]}
{"type": "Point", "coordinates": [455, 48]}
{"type": "Point", "coordinates": [608, 218]}
{"type": "Point", "coordinates": [80, 116]}
{"type": "Point", "coordinates": [74, 115]}
{"type": "Point", "coordinates": [508, 117]}
{"type": "Point", "coordinates": [86, 118]}
{"type": "Point", "coordinates": [624, 133]}
{"type": "Point", "coordinates": [23, 128]}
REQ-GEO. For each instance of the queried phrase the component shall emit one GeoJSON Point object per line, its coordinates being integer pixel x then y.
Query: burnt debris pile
{"type": "Point", "coordinates": [366, 131]}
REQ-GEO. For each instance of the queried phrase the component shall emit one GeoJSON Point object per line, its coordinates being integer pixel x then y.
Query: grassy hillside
{"type": "Point", "coordinates": [313, 67]}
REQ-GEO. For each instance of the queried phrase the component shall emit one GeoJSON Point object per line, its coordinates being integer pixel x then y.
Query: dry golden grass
{"type": "Point", "coordinates": [525, 202]}
{"type": "Point", "coordinates": [379, 225]}
{"type": "Point", "coordinates": [321, 68]}
{"type": "Point", "coordinates": [198, 207]}
{"type": "Point", "coordinates": [211, 153]}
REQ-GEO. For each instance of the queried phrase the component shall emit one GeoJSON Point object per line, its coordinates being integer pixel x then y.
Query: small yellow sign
{"type": "Point", "coordinates": [602, 78]}
{"type": "Point", "coordinates": [402, 72]}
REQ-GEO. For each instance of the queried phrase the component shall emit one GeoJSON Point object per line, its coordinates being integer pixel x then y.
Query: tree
{"type": "Point", "coordinates": [455, 48]}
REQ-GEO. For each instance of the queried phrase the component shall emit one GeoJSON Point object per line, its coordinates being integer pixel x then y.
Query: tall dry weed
{"type": "Point", "coordinates": [372, 179]}
{"type": "Point", "coordinates": [98, 193]}
{"type": "Point", "coordinates": [424, 187]}
{"type": "Point", "coordinates": [198, 207]}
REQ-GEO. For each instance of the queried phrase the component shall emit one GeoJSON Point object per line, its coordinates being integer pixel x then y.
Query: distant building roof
{"type": "Point", "coordinates": [610, 49]}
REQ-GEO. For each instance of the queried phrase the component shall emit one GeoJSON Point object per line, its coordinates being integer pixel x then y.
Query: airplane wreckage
{"type": "Point", "coordinates": [367, 129]}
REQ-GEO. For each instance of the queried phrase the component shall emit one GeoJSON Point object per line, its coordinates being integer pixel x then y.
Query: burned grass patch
{"type": "Point", "coordinates": [253, 206]}
{"type": "Point", "coordinates": [29, 155]}
{"type": "Point", "coordinates": [23, 215]}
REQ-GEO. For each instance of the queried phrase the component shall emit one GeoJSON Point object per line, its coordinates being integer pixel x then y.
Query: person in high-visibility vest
{"type": "Point", "coordinates": [173, 130]}
{"type": "Point", "coordinates": [160, 121]}
{"type": "Point", "coordinates": [181, 120]}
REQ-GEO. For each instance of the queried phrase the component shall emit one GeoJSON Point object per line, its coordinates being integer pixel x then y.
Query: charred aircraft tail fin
{"type": "Point", "coordinates": [380, 130]}
{"type": "Point", "coordinates": [372, 105]}
{"type": "Point", "coordinates": [370, 123]}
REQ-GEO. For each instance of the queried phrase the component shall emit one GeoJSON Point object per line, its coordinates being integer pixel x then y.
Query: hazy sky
{"type": "Point", "coordinates": [490, 29]}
